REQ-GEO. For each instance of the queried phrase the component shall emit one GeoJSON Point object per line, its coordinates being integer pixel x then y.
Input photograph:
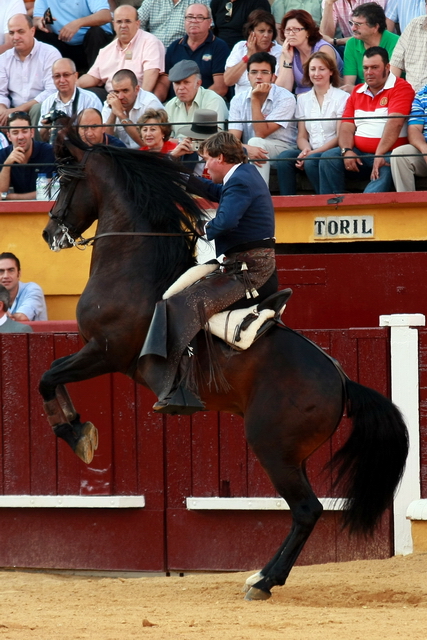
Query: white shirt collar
{"type": "Point", "coordinates": [390, 82]}
{"type": "Point", "coordinates": [3, 319]}
{"type": "Point", "coordinates": [230, 172]}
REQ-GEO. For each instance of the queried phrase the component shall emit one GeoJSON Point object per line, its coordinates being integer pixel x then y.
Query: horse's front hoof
{"type": "Point", "coordinates": [257, 594]}
{"type": "Point", "coordinates": [255, 577]}
{"type": "Point", "coordinates": [87, 444]}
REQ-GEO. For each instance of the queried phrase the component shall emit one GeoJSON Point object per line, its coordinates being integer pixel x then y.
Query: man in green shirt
{"type": "Point", "coordinates": [369, 29]}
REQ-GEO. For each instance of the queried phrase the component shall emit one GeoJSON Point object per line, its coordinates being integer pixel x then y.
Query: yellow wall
{"type": "Point", "coordinates": [63, 275]}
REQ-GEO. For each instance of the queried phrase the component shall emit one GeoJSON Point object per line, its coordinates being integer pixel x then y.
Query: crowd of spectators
{"type": "Point", "coordinates": [279, 74]}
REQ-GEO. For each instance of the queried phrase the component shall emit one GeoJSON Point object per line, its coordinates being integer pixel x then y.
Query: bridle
{"type": "Point", "coordinates": [75, 173]}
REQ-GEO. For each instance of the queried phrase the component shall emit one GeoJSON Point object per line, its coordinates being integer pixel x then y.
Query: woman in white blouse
{"type": "Point", "coordinates": [318, 112]}
{"type": "Point", "coordinates": [260, 31]}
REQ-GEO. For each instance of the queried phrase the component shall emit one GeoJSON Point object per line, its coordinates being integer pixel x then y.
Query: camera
{"type": "Point", "coordinates": [53, 115]}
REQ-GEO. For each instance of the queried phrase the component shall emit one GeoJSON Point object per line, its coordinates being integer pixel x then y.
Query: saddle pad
{"type": "Point", "coordinates": [225, 325]}
{"type": "Point", "coordinates": [191, 276]}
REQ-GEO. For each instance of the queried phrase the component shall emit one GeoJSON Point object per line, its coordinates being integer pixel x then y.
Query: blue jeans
{"type": "Point", "coordinates": [287, 171]}
{"type": "Point", "coordinates": [333, 175]}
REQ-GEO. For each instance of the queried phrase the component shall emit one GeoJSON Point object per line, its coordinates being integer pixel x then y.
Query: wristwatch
{"type": "Point", "coordinates": [126, 121]}
{"type": "Point", "coordinates": [4, 195]}
{"type": "Point", "coordinates": [345, 149]}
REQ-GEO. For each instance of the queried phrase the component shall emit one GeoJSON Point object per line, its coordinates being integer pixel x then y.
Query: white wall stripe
{"type": "Point", "coordinates": [73, 502]}
{"type": "Point", "coordinates": [254, 504]}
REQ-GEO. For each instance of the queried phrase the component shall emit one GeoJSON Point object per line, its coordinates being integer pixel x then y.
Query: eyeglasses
{"type": "Point", "coordinates": [229, 10]}
{"type": "Point", "coordinates": [65, 75]}
{"type": "Point", "coordinates": [356, 24]}
{"type": "Point", "coordinates": [293, 30]}
{"type": "Point", "coordinates": [18, 114]}
{"type": "Point", "coordinates": [263, 72]}
{"type": "Point", "coordinates": [196, 18]}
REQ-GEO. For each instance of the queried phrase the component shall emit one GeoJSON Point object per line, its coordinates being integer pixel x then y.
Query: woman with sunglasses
{"type": "Point", "coordinates": [301, 39]}
{"type": "Point", "coordinates": [230, 16]}
{"type": "Point", "coordinates": [260, 32]}
{"type": "Point", "coordinates": [319, 112]}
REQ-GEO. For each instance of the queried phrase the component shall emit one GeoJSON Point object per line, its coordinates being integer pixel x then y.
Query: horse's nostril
{"type": "Point", "coordinates": [45, 236]}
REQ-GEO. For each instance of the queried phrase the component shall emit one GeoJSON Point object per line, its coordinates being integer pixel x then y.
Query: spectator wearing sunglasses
{"type": "Point", "coordinates": [77, 29]}
{"type": "Point", "coordinates": [230, 16]}
{"type": "Point", "coordinates": [25, 71]}
{"type": "Point", "coordinates": [165, 19]}
{"type": "Point", "coordinates": [23, 159]}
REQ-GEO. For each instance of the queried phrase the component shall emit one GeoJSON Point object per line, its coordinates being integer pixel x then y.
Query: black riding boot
{"type": "Point", "coordinates": [181, 400]}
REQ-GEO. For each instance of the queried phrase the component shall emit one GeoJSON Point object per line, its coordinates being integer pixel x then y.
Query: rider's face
{"type": "Point", "coordinates": [216, 167]}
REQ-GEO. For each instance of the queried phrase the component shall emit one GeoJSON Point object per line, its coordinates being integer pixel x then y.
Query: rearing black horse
{"type": "Point", "coordinates": [289, 393]}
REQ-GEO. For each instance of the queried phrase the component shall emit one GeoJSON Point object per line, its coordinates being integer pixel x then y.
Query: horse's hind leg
{"type": "Point", "coordinates": [62, 416]}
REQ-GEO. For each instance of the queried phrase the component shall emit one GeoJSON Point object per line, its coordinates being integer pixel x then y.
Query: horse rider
{"type": "Point", "coordinates": [243, 231]}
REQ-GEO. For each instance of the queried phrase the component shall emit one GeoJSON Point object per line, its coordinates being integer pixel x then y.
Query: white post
{"type": "Point", "coordinates": [405, 394]}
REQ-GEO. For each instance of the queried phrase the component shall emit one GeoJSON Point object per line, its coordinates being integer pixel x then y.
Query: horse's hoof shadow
{"type": "Point", "coordinates": [257, 594]}
{"type": "Point", "coordinates": [87, 444]}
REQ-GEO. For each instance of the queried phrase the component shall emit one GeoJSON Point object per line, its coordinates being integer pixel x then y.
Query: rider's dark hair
{"type": "Point", "coordinates": [224, 143]}
{"type": "Point", "coordinates": [7, 255]}
{"type": "Point", "coordinates": [377, 51]}
{"type": "Point", "coordinates": [262, 56]}
{"type": "Point", "coordinates": [373, 14]}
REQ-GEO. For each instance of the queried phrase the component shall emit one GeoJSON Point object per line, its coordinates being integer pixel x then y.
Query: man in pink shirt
{"type": "Point", "coordinates": [134, 49]}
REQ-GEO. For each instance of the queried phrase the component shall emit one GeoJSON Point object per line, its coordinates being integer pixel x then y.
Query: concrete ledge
{"type": "Point", "coordinates": [254, 504]}
{"type": "Point", "coordinates": [417, 510]}
{"type": "Point", "coordinates": [73, 502]}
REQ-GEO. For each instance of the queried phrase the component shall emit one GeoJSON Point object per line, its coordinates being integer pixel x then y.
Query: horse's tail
{"type": "Point", "coordinates": [371, 463]}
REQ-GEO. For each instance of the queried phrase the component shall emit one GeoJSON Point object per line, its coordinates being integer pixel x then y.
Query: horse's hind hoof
{"type": "Point", "coordinates": [257, 594]}
{"type": "Point", "coordinates": [87, 444]}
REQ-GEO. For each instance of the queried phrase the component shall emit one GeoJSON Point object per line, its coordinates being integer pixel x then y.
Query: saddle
{"type": "Point", "coordinates": [242, 327]}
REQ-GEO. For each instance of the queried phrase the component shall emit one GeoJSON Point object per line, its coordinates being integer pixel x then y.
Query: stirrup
{"type": "Point", "coordinates": [180, 402]}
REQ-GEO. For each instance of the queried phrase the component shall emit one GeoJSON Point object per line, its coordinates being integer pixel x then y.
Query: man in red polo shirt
{"type": "Point", "coordinates": [363, 136]}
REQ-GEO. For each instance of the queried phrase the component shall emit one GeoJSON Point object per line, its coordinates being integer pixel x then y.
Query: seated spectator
{"type": "Point", "coordinates": [124, 105]}
{"type": "Point", "coordinates": [199, 44]}
{"type": "Point", "coordinates": [25, 71]}
{"type": "Point", "coordinates": [301, 39]}
{"type": "Point", "coordinates": [266, 102]}
{"type": "Point", "coordinates": [362, 138]}
{"type": "Point", "coordinates": [134, 49]}
{"type": "Point", "coordinates": [335, 26]}
{"type": "Point", "coordinates": [401, 12]}
{"type": "Point", "coordinates": [369, 30]}
{"type": "Point", "coordinates": [404, 169]}
{"type": "Point", "coordinates": [7, 325]}
{"type": "Point", "coordinates": [27, 301]}
{"type": "Point", "coordinates": [92, 130]}
{"type": "Point", "coordinates": [324, 102]}
{"type": "Point", "coordinates": [165, 18]}
{"type": "Point", "coordinates": [8, 8]}
{"type": "Point", "coordinates": [260, 35]}
{"type": "Point", "coordinates": [281, 7]}
{"type": "Point", "coordinates": [230, 17]}
{"type": "Point", "coordinates": [77, 29]}
{"type": "Point", "coordinates": [23, 150]}
{"type": "Point", "coordinates": [68, 99]}
{"type": "Point", "coordinates": [410, 53]}
{"type": "Point", "coordinates": [155, 130]}
{"type": "Point", "coordinates": [190, 95]}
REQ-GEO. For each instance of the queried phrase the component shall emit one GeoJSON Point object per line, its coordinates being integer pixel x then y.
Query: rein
{"type": "Point", "coordinates": [82, 243]}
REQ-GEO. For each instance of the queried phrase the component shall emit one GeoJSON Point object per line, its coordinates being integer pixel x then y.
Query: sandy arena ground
{"type": "Point", "coordinates": [370, 600]}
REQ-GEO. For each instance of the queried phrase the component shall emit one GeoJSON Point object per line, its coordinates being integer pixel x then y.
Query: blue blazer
{"type": "Point", "coordinates": [245, 212]}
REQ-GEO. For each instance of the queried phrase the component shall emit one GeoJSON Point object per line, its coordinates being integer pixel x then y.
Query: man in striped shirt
{"type": "Point", "coordinates": [365, 142]}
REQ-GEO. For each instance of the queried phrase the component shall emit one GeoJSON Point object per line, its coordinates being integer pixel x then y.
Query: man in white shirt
{"type": "Point", "coordinates": [269, 107]}
{"type": "Point", "coordinates": [68, 98]}
{"type": "Point", "coordinates": [25, 71]}
{"type": "Point", "coordinates": [8, 8]}
{"type": "Point", "coordinates": [124, 105]}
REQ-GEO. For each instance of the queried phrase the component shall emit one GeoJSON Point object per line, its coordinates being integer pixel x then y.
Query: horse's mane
{"type": "Point", "coordinates": [157, 189]}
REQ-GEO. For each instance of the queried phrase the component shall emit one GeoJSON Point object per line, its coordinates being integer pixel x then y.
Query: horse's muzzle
{"type": "Point", "coordinates": [56, 237]}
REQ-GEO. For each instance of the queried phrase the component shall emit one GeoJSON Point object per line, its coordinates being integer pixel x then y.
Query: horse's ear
{"type": "Point", "coordinates": [75, 151]}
